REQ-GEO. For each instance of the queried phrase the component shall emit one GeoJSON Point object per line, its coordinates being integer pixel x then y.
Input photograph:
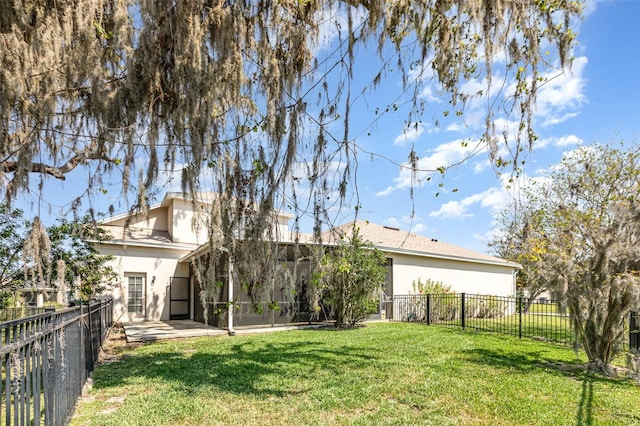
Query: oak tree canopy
{"type": "Point", "coordinates": [243, 89]}
{"type": "Point", "coordinates": [251, 100]}
{"type": "Point", "coordinates": [577, 233]}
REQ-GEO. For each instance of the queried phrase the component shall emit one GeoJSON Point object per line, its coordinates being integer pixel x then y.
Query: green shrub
{"type": "Point", "coordinates": [430, 286]}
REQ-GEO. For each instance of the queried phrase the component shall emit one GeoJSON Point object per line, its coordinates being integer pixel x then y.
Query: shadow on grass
{"type": "Point", "coordinates": [585, 409]}
{"type": "Point", "coordinates": [242, 368]}
{"type": "Point", "coordinates": [526, 362]}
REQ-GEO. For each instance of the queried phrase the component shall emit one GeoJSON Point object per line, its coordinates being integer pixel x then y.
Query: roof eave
{"type": "Point", "coordinates": [146, 244]}
{"type": "Point", "coordinates": [504, 263]}
{"type": "Point", "coordinates": [497, 262]}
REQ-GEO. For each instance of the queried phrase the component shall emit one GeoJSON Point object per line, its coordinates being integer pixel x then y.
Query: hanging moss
{"type": "Point", "coordinates": [240, 97]}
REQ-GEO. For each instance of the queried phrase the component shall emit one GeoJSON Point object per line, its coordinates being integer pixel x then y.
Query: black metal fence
{"type": "Point", "coordinates": [46, 360]}
{"type": "Point", "coordinates": [9, 314]}
{"type": "Point", "coordinates": [516, 316]}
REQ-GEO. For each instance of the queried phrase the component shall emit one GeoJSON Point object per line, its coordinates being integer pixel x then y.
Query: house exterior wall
{"type": "Point", "coordinates": [463, 277]}
{"type": "Point", "coordinates": [182, 226]}
{"type": "Point", "coordinates": [147, 262]}
{"type": "Point", "coordinates": [157, 220]}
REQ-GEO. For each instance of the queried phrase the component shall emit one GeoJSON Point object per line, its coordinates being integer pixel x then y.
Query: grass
{"type": "Point", "coordinates": [385, 373]}
{"type": "Point", "coordinates": [554, 328]}
{"type": "Point", "coordinates": [545, 308]}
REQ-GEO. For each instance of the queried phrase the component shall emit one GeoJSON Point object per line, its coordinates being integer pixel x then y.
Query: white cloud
{"type": "Point", "coordinates": [418, 228]}
{"type": "Point", "coordinates": [568, 141]}
{"type": "Point", "coordinates": [481, 166]}
{"type": "Point", "coordinates": [333, 24]}
{"type": "Point", "coordinates": [489, 236]}
{"type": "Point", "coordinates": [558, 141]}
{"type": "Point", "coordinates": [550, 121]}
{"type": "Point", "coordinates": [431, 94]}
{"type": "Point", "coordinates": [444, 155]}
{"type": "Point", "coordinates": [562, 94]}
{"type": "Point", "coordinates": [388, 190]}
{"type": "Point", "coordinates": [493, 199]}
{"type": "Point", "coordinates": [410, 223]}
{"type": "Point", "coordinates": [558, 99]}
{"type": "Point", "coordinates": [409, 134]}
{"type": "Point", "coordinates": [457, 127]}
{"type": "Point", "coordinates": [451, 210]}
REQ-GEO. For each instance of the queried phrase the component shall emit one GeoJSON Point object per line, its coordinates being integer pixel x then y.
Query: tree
{"type": "Point", "coordinates": [588, 236]}
{"type": "Point", "coordinates": [193, 82]}
{"type": "Point", "coordinates": [521, 242]}
{"type": "Point", "coordinates": [349, 278]}
{"type": "Point", "coordinates": [77, 264]}
{"type": "Point", "coordinates": [241, 97]}
{"type": "Point", "coordinates": [11, 243]}
{"type": "Point", "coordinates": [61, 256]}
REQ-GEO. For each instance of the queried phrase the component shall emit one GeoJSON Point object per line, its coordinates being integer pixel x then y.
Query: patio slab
{"type": "Point", "coordinates": [148, 331]}
{"type": "Point", "coordinates": [157, 330]}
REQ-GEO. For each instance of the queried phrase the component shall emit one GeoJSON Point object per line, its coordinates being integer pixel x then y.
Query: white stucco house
{"type": "Point", "coordinates": [154, 254]}
{"type": "Point", "coordinates": [412, 256]}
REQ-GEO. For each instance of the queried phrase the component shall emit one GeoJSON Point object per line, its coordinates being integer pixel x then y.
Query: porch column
{"type": "Point", "coordinates": [230, 306]}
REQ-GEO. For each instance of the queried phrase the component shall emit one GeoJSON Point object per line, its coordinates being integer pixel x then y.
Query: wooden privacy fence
{"type": "Point", "coordinates": [516, 316]}
{"type": "Point", "coordinates": [46, 360]}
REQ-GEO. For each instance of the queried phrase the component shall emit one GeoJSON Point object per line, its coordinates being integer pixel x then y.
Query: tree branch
{"type": "Point", "coordinates": [56, 171]}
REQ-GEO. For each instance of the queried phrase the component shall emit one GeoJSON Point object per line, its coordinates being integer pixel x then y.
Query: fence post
{"type": "Point", "coordinates": [428, 309]}
{"type": "Point", "coordinates": [462, 314]}
{"type": "Point", "coordinates": [520, 317]}
{"type": "Point", "coordinates": [634, 331]}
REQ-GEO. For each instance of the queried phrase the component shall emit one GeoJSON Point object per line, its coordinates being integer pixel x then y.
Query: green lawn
{"type": "Point", "coordinates": [385, 373]}
{"type": "Point", "coordinates": [549, 327]}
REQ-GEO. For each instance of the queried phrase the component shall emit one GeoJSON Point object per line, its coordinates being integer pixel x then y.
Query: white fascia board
{"type": "Point", "coordinates": [504, 263]}
{"type": "Point", "coordinates": [130, 243]}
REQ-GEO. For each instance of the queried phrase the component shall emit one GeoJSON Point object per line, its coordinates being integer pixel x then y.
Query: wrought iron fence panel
{"type": "Point", "coordinates": [10, 314]}
{"type": "Point", "coordinates": [46, 360]}
{"type": "Point", "coordinates": [516, 316]}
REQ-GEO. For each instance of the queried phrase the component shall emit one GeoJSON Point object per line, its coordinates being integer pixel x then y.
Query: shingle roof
{"type": "Point", "coordinates": [391, 239]}
{"type": "Point", "coordinates": [137, 234]}
{"type": "Point", "coordinates": [144, 237]}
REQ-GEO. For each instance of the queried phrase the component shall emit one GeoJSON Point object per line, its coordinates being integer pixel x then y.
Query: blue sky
{"type": "Point", "coordinates": [598, 100]}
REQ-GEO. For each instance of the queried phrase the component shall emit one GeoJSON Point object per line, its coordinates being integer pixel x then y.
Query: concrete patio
{"type": "Point", "coordinates": [148, 331]}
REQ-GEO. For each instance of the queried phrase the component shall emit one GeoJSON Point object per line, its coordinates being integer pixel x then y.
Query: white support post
{"type": "Point", "coordinates": [230, 306]}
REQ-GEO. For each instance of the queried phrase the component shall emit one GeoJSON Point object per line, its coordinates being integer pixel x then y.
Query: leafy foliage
{"type": "Point", "coordinates": [61, 256]}
{"type": "Point", "coordinates": [351, 276]}
{"type": "Point", "coordinates": [12, 227]}
{"type": "Point", "coordinates": [430, 286]}
{"type": "Point", "coordinates": [585, 242]}
{"type": "Point", "coordinates": [521, 241]}
{"type": "Point", "coordinates": [78, 262]}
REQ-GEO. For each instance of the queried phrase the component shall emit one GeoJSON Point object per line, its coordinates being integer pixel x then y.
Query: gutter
{"type": "Point", "coordinates": [147, 244]}
{"type": "Point", "coordinates": [504, 263]}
